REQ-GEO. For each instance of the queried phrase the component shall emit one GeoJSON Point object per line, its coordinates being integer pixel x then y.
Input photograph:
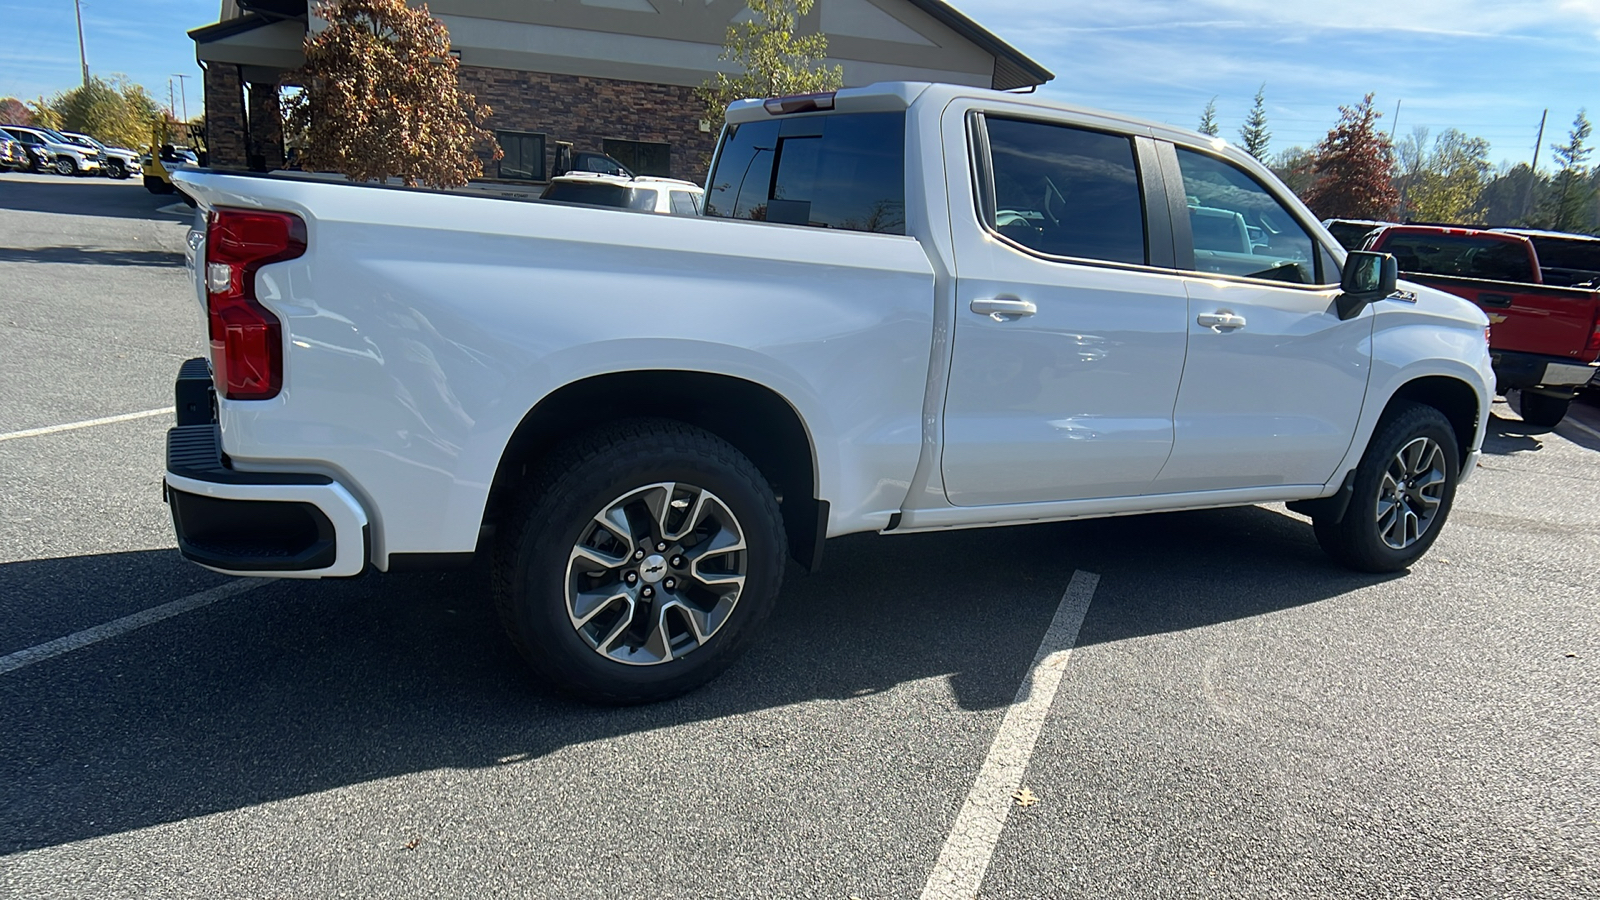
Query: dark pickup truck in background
{"type": "Point", "coordinates": [1541, 291]}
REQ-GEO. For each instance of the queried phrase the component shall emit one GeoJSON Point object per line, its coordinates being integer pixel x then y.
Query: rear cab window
{"type": "Point", "coordinates": [601, 193]}
{"type": "Point", "coordinates": [844, 171]}
{"type": "Point", "coordinates": [1460, 255]}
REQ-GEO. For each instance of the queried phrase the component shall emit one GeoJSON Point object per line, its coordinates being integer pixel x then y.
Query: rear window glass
{"type": "Point", "coordinates": [601, 194]}
{"type": "Point", "coordinates": [1066, 191]}
{"type": "Point", "coordinates": [1460, 255]}
{"type": "Point", "coordinates": [1568, 261]}
{"type": "Point", "coordinates": [839, 171]}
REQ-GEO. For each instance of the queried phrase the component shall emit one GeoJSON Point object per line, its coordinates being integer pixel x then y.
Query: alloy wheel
{"type": "Point", "coordinates": [1410, 493]}
{"type": "Point", "coordinates": [656, 573]}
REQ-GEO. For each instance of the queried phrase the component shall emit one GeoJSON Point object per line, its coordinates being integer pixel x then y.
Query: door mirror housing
{"type": "Point", "coordinates": [1367, 278]}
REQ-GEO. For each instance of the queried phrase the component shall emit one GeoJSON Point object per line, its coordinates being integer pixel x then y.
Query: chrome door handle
{"type": "Point", "coordinates": [1003, 309]}
{"type": "Point", "coordinates": [1219, 320]}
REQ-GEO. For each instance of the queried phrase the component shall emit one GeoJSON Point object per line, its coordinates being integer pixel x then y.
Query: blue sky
{"type": "Point", "coordinates": [1487, 67]}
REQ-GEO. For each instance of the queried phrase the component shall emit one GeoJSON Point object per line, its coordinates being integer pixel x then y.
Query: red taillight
{"type": "Point", "coordinates": [246, 338]}
{"type": "Point", "coordinates": [1594, 337]}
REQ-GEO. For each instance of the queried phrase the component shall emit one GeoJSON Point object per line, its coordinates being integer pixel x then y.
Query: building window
{"type": "Point", "coordinates": [524, 155]}
{"type": "Point", "coordinates": [641, 157]}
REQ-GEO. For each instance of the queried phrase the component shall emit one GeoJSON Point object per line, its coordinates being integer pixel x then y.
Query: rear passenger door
{"type": "Point", "coordinates": [1070, 322]}
{"type": "Point", "coordinates": [1274, 381]}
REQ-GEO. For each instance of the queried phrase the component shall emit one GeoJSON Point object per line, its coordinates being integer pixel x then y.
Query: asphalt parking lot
{"type": "Point", "coordinates": [1238, 717]}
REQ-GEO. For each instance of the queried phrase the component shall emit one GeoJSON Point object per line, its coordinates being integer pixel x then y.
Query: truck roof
{"type": "Point", "coordinates": [893, 96]}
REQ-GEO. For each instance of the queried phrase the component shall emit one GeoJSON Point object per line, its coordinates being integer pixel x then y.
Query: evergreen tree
{"type": "Point", "coordinates": [1572, 193]}
{"type": "Point", "coordinates": [1208, 119]}
{"type": "Point", "coordinates": [1354, 168]}
{"type": "Point", "coordinates": [1254, 136]}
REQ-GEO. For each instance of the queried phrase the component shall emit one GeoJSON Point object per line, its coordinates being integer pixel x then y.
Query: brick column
{"type": "Point", "coordinates": [266, 128]}
{"type": "Point", "coordinates": [225, 119]}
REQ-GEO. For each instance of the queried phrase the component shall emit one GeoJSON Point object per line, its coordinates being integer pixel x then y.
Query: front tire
{"type": "Point", "coordinates": [1541, 410]}
{"type": "Point", "coordinates": [639, 562]}
{"type": "Point", "coordinates": [66, 166]}
{"type": "Point", "coordinates": [116, 169]}
{"type": "Point", "coordinates": [1404, 487]}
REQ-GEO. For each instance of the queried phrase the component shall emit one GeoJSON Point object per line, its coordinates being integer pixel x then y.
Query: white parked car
{"type": "Point", "coordinates": [642, 192]}
{"type": "Point", "coordinates": [119, 162]}
{"type": "Point", "coordinates": [53, 151]}
{"type": "Point", "coordinates": [906, 308]}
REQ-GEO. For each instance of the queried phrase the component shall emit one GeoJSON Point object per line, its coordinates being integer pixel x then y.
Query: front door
{"type": "Point", "coordinates": [1069, 343]}
{"type": "Point", "coordinates": [1274, 381]}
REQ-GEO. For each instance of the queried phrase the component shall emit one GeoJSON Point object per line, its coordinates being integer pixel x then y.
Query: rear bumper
{"type": "Point", "coordinates": [287, 524]}
{"type": "Point", "coordinates": [1513, 370]}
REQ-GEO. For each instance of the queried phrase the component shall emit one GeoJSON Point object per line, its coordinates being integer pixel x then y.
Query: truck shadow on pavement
{"type": "Point", "coordinates": [89, 256]}
{"type": "Point", "coordinates": [87, 197]}
{"type": "Point", "coordinates": [295, 688]}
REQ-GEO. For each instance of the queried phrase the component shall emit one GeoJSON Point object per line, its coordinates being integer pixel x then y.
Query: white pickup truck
{"type": "Point", "coordinates": [906, 307]}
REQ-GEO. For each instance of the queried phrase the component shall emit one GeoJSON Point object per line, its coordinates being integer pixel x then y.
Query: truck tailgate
{"type": "Point", "coordinates": [1529, 318]}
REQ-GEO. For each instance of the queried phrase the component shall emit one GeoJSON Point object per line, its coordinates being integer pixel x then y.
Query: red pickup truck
{"type": "Point", "coordinates": [1541, 291]}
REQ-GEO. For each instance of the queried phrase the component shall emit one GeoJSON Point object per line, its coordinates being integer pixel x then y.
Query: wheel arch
{"type": "Point", "coordinates": [1453, 397]}
{"type": "Point", "coordinates": [756, 420]}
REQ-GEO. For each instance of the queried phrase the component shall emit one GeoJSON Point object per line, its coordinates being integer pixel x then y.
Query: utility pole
{"type": "Point", "coordinates": [83, 58]}
{"type": "Point", "coordinates": [172, 107]}
{"type": "Point", "coordinates": [1395, 122]}
{"type": "Point", "coordinates": [1533, 170]}
{"type": "Point", "coordinates": [183, 91]}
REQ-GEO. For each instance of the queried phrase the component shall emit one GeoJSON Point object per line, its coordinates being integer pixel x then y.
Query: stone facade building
{"type": "Point", "coordinates": [609, 76]}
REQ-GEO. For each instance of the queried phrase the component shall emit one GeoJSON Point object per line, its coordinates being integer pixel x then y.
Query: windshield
{"type": "Point", "coordinates": [601, 193]}
{"type": "Point", "coordinates": [83, 140]}
{"type": "Point", "coordinates": [56, 136]}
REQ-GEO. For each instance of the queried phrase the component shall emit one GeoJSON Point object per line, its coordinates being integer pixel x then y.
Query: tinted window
{"type": "Point", "coordinates": [840, 171]}
{"type": "Point", "coordinates": [1351, 235]}
{"type": "Point", "coordinates": [600, 193]}
{"type": "Point", "coordinates": [683, 204]}
{"type": "Point", "coordinates": [1460, 255]}
{"type": "Point", "coordinates": [641, 157]}
{"type": "Point", "coordinates": [524, 155]}
{"type": "Point", "coordinates": [1568, 261]}
{"type": "Point", "coordinates": [1066, 191]}
{"type": "Point", "coordinates": [1239, 227]}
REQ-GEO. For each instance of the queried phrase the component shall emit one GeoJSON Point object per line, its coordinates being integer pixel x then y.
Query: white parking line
{"type": "Point", "coordinates": [108, 420]}
{"type": "Point", "coordinates": [14, 661]}
{"type": "Point", "coordinates": [965, 858]}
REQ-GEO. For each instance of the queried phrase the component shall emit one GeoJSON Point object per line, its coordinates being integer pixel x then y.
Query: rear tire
{"type": "Point", "coordinates": [1540, 410]}
{"type": "Point", "coordinates": [610, 617]}
{"type": "Point", "coordinates": [1404, 487]}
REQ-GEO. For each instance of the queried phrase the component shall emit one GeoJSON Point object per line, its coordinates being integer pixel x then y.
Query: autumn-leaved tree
{"type": "Point", "coordinates": [117, 112]}
{"type": "Point", "coordinates": [380, 98]}
{"type": "Point", "coordinates": [14, 112]}
{"type": "Point", "coordinates": [776, 62]}
{"type": "Point", "coordinates": [1354, 168]}
{"type": "Point", "coordinates": [44, 116]}
{"type": "Point", "coordinates": [1254, 136]}
{"type": "Point", "coordinates": [1208, 119]}
{"type": "Point", "coordinates": [1449, 187]}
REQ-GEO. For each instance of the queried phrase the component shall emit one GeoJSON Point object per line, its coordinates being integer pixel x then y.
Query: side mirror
{"type": "Point", "coordinates": [1367, 278]}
